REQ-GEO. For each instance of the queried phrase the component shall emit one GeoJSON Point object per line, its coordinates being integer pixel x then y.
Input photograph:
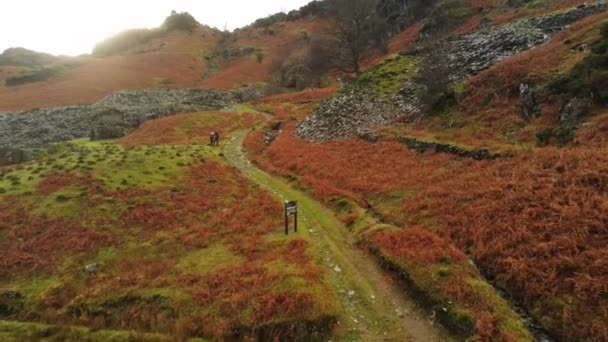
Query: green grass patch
{"type": "Point", "coordinates": [387, 77]}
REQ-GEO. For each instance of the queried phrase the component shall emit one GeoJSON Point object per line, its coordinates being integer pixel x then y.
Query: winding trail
{"type": "Point", "coordinates": [375, 308]}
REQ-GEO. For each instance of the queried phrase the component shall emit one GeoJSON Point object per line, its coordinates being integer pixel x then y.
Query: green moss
{"type": "Point", "coordinates": [460, 87]}
{"type": "Point", "coordinates": [387, 77]}
{"type": "Point", "coordinates": [390, 204]}
{"type": "Point", "coordinates": [62, 203]}
{"type": "Point", "coordinates": [107, 256]}
{"type": "Point", "coordinates": [458, 320]}
{"type": "Point", "coordinates": [35, 288]}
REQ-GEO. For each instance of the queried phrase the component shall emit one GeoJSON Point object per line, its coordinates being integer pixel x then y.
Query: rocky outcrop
{"type": "Point", "coordinates": [528, 104]}
{"type": "Point", "coordinates": [368, 135]}
{"type": "Point", "coordinates": [575, 108]}
{"type": "Point", "coordinates": [274, 130]}
{"type": "Point", "coordinates": [112, 117]}
{"type": "Point", "coordinates": [424, 146]}
{"type": "Point", "coordinates": [346, 113]}
{"type": "Point", "coordinates": [110, 124]}
{"type": "Point", "coordinates": [10, 156]}
{"type": "Point", "coordinates": [471, 53]}
{"type": "Point", "coordinates": [352, 110]}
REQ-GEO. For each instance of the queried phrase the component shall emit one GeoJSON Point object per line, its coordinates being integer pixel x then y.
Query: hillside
{"type": "Point", "coordinates": [448, 160]}
{"type": "Point", "coordinates": [174, 60]}
{"type": "Point", "coordinates": [201, 58]}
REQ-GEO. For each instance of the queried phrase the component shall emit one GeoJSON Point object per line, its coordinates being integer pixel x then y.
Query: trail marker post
{"type": "Point", "coordinates": [291, 209]}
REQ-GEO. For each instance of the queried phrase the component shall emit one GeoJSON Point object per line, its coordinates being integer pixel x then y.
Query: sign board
{"type": "Point", "coordinates": [291, 209]}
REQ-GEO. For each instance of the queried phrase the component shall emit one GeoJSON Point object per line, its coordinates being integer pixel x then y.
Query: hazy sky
{"type": "Point", "coordinates": [72, 27]}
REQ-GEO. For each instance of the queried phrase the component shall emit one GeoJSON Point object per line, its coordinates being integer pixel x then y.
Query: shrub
{"type": "Point", "coordinates": [36, 75]}
{"type": "Point", "coordinates": [561, 136]}
{"type": "Point", "coordinates": [259, 56]}
{"type": "Point", "coordinates": [447, 16]}
{"type": "Point", "coordinates": [180, 21]}
{"type": "Point", "coordinates": [438, 92]}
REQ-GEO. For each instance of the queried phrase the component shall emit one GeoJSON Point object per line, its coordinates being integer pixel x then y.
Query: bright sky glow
{"type": "Point", "coordinates": [72, 27]}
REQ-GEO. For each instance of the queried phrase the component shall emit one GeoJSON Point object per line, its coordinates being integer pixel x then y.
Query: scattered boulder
{"type": "Point", "coordinates": [273, 132]}
{"type": "Point", "coordinates": [528, 104]}
{"type": "Point", "coordinates": [574, 110]}
{"type": "Point", "coordinates": [91, 268]}
{"type": "Point", "coordinates": [343, 115]}
{"type": "Point", "coordinates": [11, 156]}
{"type": "Point", "coordinates": [10, 294]}
{"type": "Point", "coordinates": [109, 125]}
{"type": "Point", "coordinates": [369, 135]}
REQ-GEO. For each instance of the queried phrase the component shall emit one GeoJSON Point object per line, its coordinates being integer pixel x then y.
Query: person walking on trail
{"type": "Point", "coordinates": [211, 138]}
{"type": "Point", "coordinates": [214, 139]}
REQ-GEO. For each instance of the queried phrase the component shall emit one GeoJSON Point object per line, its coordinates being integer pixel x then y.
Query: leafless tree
{"type": "Point", "coordinates": [354, 27]}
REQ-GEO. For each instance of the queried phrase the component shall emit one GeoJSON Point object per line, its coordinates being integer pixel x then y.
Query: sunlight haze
{"type": "Point", "coordinates": [73, 27]}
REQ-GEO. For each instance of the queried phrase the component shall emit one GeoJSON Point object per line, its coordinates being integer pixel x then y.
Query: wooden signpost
{"type": "Point", "coordinates": [291, 209]}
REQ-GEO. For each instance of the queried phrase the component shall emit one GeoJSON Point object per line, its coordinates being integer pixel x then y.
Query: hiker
{"type": "Point", "coordinates": [212, 138]}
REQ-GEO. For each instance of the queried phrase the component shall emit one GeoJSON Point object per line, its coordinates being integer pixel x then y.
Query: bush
{"type": "Point", "coordinates": [560, 136]}
{"type": "Point", "coordinates": [180, 21]}
{"type": "Point", "coordinates": [259, 56]}
{"type": "Point", "coordinates": [438, 92]}
{"type": "Point", "coordinates": [37, 75]}
{"type": "Point", "coordinates": [446, 16]}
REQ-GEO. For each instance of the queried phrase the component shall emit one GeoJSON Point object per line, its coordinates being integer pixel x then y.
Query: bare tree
{"type": "Point", "coordinates": [354, 27]}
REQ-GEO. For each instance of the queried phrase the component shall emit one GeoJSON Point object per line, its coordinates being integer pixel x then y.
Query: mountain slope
{"type": "Point", "coordinates": [175, 59]}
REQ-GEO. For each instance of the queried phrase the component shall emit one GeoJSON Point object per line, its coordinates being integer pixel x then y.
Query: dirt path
{"type": "Point", "coordinates": [375, 309]}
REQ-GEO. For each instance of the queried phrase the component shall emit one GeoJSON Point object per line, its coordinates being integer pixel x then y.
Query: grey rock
{"type": "Point", "coordinates": [91, 268]}
{"type": "Point", "coordinates": [528, 104]}
{"type": "Point", "coordinates": [11, 156]}
{"type": "Point", "coordinates": [574, 110]}
{"type": "Point", "coordinates": [273, 132]}
{"type": "Point", "coordinates": [368, 135]}
{"type": "Point", "coordinates": [10, 294]}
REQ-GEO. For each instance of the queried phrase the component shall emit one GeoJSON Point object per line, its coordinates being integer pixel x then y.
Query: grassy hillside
{"type": "Point", "coordinates": [530, 222]}
{"type": "Point", "coordinates": [157, 236]}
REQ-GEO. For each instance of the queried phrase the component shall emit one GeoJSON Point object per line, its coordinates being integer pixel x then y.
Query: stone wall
{"type": "Point", "coordinates": [424, 146]}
